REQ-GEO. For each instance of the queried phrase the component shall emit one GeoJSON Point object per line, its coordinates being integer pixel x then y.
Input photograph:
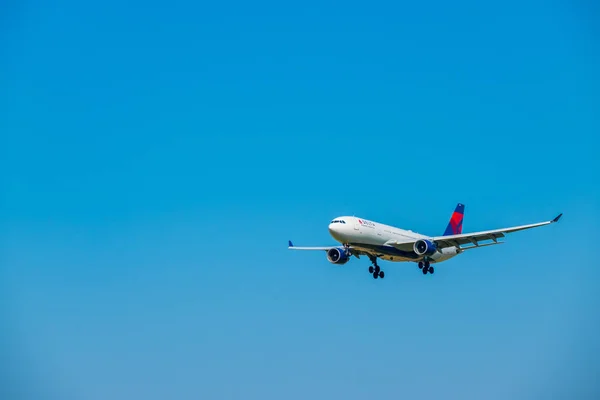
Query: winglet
{"type": "Point", "coordinates": [557, 218]}
{"type": "Point", "coordinates": [290, 244]}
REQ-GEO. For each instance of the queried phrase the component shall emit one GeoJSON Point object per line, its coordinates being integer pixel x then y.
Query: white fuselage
{"type": "Point", "coordinates": [374, 237]}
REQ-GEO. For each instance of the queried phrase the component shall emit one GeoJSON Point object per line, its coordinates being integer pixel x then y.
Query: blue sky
{"type": "Point", "coordinates": [157, 157]}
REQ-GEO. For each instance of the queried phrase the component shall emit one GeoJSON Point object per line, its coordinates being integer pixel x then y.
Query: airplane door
{"type": "Point", "coordinates": [356, 225]}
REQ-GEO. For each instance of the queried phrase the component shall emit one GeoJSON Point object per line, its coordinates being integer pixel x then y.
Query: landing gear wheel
{"type": "Point", "coordinates": [425, 270]}
{"type": "Point", "coordinates": [374, 269]}
{"type": "Point", "coordinates": [420, 264]}
{"type": "Point", "coordinates": [431, 270]}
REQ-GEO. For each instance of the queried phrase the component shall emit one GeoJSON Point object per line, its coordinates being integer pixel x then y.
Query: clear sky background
{"type": "Point", "coordinates": [157, 157]}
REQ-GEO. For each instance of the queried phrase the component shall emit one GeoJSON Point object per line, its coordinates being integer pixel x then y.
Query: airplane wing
{"type": "Point", "coordinates": [324, 248]}
{"type": "Point", "coordinates": [354, 252]}
{"type": "Point", "coordinates": [476, 237]}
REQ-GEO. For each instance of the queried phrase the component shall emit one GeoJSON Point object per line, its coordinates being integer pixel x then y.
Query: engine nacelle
{"type": "Point", "coordinates": [338, 255]}
{"type": "Point", "coordinates": [424, 247]}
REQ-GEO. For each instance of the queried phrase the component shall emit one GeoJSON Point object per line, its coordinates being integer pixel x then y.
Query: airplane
{"type": "Point", "coordinates": [359, 236]}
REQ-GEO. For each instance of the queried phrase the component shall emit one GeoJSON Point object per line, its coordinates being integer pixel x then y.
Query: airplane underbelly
{"type": "Point", "coordinates": [386, 253]}
{"type": "Point", "coordinates": [396, 258]}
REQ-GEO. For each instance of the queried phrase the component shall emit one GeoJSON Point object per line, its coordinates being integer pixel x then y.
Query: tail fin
{"type": "Point", "coordinates": [456, 221]}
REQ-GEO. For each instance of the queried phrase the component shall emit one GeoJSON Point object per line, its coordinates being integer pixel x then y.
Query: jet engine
{"type": "Point", "coordinates": [424, 247]}
{"type": "Point", "coordinates": [338, 255]}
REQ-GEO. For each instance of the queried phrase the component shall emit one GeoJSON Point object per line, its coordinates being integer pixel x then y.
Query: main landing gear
{"type": "Point", "coordinates": [424, 265]}
{"type": "Point", "coordinates": [374, 269]}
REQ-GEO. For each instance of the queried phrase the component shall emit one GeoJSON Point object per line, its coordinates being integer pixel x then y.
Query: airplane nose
{"type": "Point", "coordinates": [335, 230]}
